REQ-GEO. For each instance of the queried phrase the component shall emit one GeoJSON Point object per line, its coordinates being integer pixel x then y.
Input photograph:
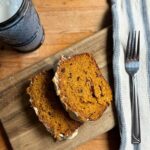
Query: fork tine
{"type": "Point", "coordinates": [138, 46]}
{"type": "Point", "coordinates": [128, 46]}
{"type": "Point", "coordinates": [134, 53]}
{"type": "Point", "coordinates": [133, 45]}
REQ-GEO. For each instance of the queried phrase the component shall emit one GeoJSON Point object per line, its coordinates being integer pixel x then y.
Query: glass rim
{"type": "Point", "coordinates": [16, 17]}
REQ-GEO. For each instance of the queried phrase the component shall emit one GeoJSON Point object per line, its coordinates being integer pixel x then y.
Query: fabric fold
{"type": "Point", "coordinates": [131, 15]}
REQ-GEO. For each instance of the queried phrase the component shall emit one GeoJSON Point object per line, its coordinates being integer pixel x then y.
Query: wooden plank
{"type": "Point", "coordinates": [107, 141]}
{"type": "Point", "coordinates": [19, 120]}
{"type": "Point", "coordinates": [65, 22]}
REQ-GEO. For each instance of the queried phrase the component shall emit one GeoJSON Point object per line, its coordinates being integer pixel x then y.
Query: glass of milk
{"type": "Point", "coordinates": [20, 26]}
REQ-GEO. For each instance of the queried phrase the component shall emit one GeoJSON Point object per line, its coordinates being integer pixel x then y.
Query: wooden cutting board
{"type": "Point", "coordinates": [19, 120]}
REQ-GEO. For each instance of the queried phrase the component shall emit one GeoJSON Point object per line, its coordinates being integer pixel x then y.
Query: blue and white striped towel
{"type": "Point", "coordinates": [132, 15]}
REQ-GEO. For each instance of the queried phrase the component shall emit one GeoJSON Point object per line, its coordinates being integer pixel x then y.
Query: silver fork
{"type": "Point", "coordinates": [132, 67]}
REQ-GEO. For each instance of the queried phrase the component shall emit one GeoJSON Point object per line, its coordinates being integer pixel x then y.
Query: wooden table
{"type": "Point", "coordinates": [71, 21]}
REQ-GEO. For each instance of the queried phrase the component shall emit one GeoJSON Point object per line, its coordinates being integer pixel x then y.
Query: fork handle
{"type": "Point", "coordinates": [136, 133]}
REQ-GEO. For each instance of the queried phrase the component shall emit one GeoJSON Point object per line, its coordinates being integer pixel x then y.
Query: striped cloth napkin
{"type": "Point", "coordinates": [129, 15]}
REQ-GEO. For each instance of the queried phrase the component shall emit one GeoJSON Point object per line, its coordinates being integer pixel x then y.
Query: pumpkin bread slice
{"type": "Point", "coordinates": [49, 109]}
{"type": "Point", "coordinates": [82, 89]}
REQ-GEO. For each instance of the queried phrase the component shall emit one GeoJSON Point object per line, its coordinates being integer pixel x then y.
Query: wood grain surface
{"type": "Point", "coordinates": [65, 22]}
{"type": "Point", "coordinates": [21, 124]}
{"type": "Point", "coordinates": [69, 22]}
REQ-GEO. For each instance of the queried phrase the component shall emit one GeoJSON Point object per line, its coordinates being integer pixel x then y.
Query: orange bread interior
{"type": "Point", "coordinates": [50, 110]}
{"type": "Point", "coordinates": [82, 88]}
